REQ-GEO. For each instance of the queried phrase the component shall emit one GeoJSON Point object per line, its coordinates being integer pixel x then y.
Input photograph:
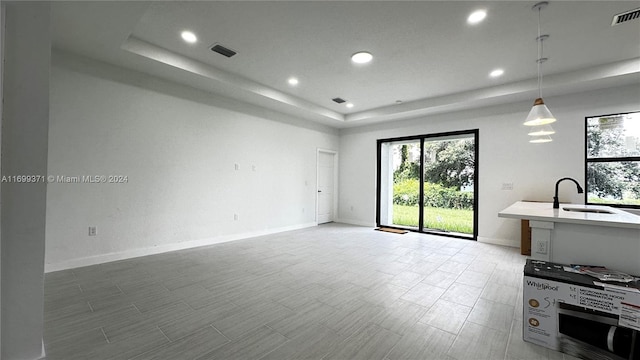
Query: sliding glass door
{"type": "Point", "coordinates": [427, 183]}
{"type": "Point", "coordinates": [401, 183]}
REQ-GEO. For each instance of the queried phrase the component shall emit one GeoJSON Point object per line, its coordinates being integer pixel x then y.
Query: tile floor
{"type": "Point", "coordinates": [328, 292]}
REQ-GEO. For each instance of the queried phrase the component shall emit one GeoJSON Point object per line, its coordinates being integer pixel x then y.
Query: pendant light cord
{"type": "Point", "coordinates": [539, 61]}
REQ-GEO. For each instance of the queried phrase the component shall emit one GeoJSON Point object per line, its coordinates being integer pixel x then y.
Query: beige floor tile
{"type": "Point", "coordinates": [453, 267]}
{"type": "Point", "coordinates": [422, 342]}
{"type": "Point", "coordinates": [440, 279]}
{"type": "Point", "coordinates": [385, 294]}
{"type": "Point", "coordinates": [423, 294]}
{"type": "Point", "coordinates": [503, 294]}
{"type": "Point", "coordinates": [197, 344]}
{"type": "Point", "coordinates": [371, 342]}
{"type": "Point", "coordinates": [313, 341]}
{"type": "Point", "coordinates": [447, 316]}
{"type": "Point", "coordinates": [462, 294]}
{"type": "Point", "coordinates": [351, 317]}
{"type": "Point", "coordinates": [399, 316]}
{"type": "Point", "coordinates": [252, 345]}
{"type": "Point", "coordinates": [479, 342]}
{"type": "Point", "coordinates": [473, 278]}
{"type": "Point", "coordinates": [407, 279]}
{"type": "Point", "coordinates": [486, 267]}
{"type": "Point", "coordinates": [492, 314]}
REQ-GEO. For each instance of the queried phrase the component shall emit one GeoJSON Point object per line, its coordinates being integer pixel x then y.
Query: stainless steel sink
{"type": "Point", "coordinates": [588, 210]}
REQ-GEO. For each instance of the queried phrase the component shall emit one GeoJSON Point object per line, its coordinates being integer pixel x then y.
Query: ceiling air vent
{"type": "Point", "coordinates": [223, 50]}
{"type": "Point", "coordinates": [339, 100]}
{"type": "Point", "coordinates": [625, 16]}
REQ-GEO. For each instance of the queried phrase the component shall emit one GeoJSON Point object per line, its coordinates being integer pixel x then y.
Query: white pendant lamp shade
{"type": "Point", "coordinates": [541, 139]}
{"type": "Point", "coordinates": [541, 130]}
{"type": "Point", "coordinates": [539, 114]}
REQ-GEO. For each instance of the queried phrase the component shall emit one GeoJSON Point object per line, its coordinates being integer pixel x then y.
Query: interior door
{"type": "Point", "coordinates": [326, 178]}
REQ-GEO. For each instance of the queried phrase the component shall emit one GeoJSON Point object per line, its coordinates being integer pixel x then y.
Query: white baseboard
{"type": "Point", "coordinates": [503, 242]}
{"type": "Point", "coordinates": [356, 222]}
{"type": "Point", "coordinates": [133, 253]}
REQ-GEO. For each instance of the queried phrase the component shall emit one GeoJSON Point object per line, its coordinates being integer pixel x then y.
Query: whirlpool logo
{"type": "Point", "coordinates": [542, 286]}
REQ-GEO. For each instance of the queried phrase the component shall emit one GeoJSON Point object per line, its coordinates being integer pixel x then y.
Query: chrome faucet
{"type": "Point", "coordinates": [556, 203]}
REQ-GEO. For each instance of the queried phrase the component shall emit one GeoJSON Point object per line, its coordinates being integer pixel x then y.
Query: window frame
{"type": "Point", "coordinates": [618, 159]}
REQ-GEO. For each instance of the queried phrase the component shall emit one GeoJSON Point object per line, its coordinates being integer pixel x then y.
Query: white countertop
{"type": "Point", "coordinates": [540, 211]}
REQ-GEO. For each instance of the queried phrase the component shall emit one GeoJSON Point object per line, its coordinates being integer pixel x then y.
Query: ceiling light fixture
{"type": "Point", "coordinates": [541, 130]}
{"type": "Point", "coordinates": [476, 17]}
{"type": "Point", "coordinates": [540, 114]}
{"type": "Point", "coordinates": [349, 105]}
{"type": "Point", "coordinates": [189, 37]}
{"type": "Point", "coordinates": [496, 73]}
{"type": "Point", "coordinates": [361, 57]}
{"type": "Point", "coordinates": [293, 81]}
{"type": "Point", "coordinates": [541, 139]}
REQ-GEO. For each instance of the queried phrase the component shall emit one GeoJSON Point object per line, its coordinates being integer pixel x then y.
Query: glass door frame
{"type": "Point", "coordinates": [421, 139]}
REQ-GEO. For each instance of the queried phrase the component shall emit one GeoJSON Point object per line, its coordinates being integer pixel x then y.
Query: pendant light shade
{"type": "Point", "coordinates": [541, 139]}
{"type": "Point", "coordinates": [541, 130]}
{"type": "Point", "coordinates": [539, 114]}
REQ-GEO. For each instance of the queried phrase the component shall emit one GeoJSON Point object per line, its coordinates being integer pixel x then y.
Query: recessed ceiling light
{"type": "Point", "coordinates": [477, 16]}
{"type": "Point", "coordinates": [496, 73]}
{"type": "Point", "coordinates": [189, 37]}
{"type": "Point", "coordinates": [349, 105]}
{"type": "Point", "coordinates": [293, 81]}
{"type": "Point", "coordinates": [361, 57]}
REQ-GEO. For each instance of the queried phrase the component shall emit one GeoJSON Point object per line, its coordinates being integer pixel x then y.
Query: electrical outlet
{"type": "Point", "coordinates": [541, 247]}
{"type": "Point", "coordinates": [236, 217]}
{"type": "Point", "coordinates": [507, 186]}
{"type": "Point", "coordinates": [93, 231]}
{"type": "Point", "coordinates": [237, 166]}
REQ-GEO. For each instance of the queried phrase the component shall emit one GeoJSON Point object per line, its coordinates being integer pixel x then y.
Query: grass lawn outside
{"type": "Point", "coordinates": [453, 220]}
{"type": "Point", "coordinates": [597, 200]}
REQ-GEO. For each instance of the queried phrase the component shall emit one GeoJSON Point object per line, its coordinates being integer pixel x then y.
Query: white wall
{"type": "Point", "coordinates": [178, 147]}
{"type": "Point", "coordinates": [505, 156]}
{"type": "Point", "coordinates": [25, 116]}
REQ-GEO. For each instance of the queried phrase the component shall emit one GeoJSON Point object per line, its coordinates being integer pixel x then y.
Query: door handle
{"type": "Point", "coordinates": [319, 190]}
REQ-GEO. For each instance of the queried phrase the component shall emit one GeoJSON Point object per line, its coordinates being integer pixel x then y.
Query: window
{"type": "Point", "coordinates": [613, 160]}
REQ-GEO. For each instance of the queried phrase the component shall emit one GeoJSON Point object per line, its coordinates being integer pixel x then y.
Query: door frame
{"type": "Point", "coordinates": [334, 210]}
{"type": "Point", "coordinates": [422, 138]}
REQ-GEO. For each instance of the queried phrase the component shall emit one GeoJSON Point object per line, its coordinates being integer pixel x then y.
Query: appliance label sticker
{"type": "Point", "coordinates": [629, 316]}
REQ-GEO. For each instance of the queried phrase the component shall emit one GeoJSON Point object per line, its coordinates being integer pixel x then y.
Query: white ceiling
{"type": "Point", "coordinates": [425, 54]}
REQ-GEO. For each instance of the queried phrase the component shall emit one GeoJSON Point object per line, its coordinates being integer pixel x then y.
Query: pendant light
{"type": "Point", "coordinates": [541, 130]}
{"type": "Point", "coordinates": [541, 139]}
{"type": "Point", "coordinates": [540, 117]}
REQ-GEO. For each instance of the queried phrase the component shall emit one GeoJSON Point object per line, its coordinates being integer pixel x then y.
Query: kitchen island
{"type": "Point", "coordinates": [581, 234]}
